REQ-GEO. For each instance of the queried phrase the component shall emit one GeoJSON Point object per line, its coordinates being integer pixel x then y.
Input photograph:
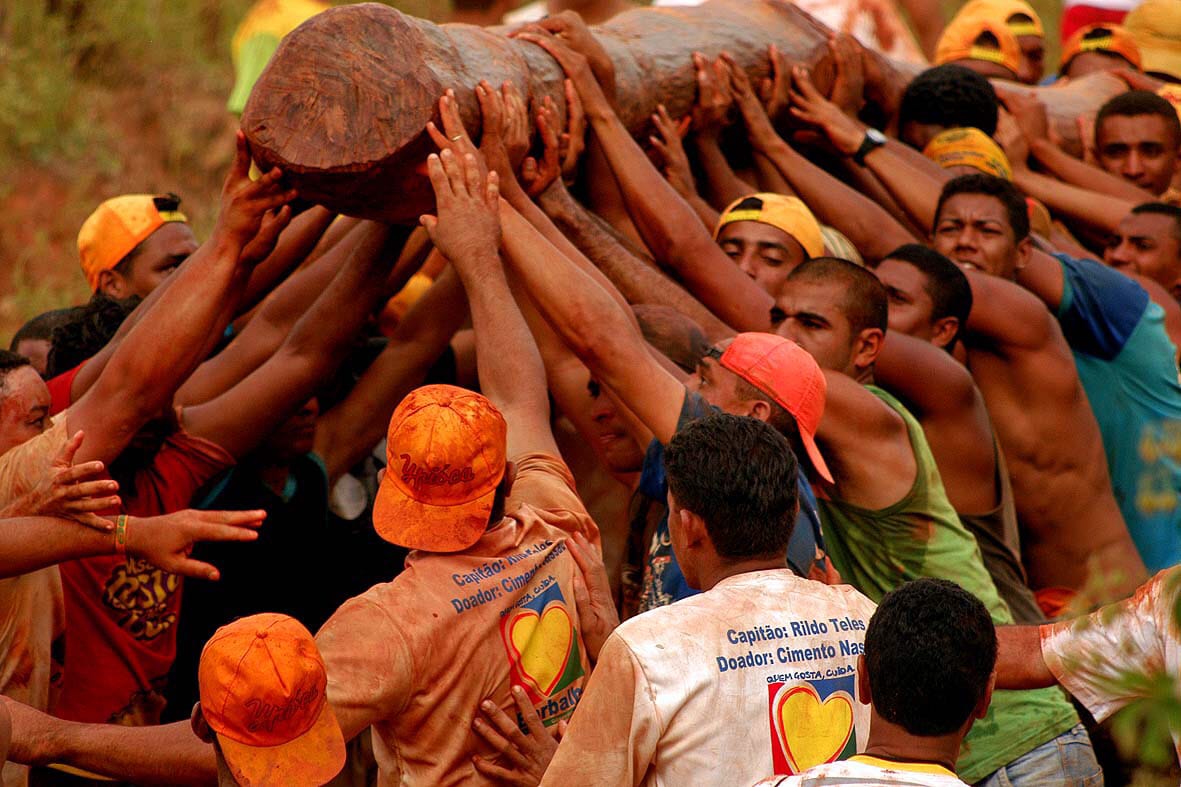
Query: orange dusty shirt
{"type": "Point", "coordinates": [415, 657]}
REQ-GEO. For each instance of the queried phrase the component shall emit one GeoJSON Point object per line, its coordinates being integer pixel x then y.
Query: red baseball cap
{"type": "Point", "coordinates": [788, 374]}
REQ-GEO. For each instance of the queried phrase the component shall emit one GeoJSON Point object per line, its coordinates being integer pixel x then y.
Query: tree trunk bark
{"type": "Point", "coordinates": [343, 104]}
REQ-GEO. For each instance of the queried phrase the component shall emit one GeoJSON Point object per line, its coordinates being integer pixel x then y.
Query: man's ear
{"type": "Point", "coordinates": [866, 347]}
{"type": "Point", "coordinates": [692, 528]}
{"type": "Point", "coordinates": [864, 695]}
{"type": "Point", "coordinates": [986, 700]}
{"type": "Point", "coordinates": [944, 330]}
{"type": "Point", "coordinates": [760, 410]}
{"type": "Point", "coordinates": [200, 726]}
{"type": "Point", "coordinates": [112, 283]}
{"type": "Point", "coordinates": [1024, 252]}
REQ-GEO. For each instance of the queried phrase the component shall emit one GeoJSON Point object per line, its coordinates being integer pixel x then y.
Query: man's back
{"type": "Point", "coordinates": [422, 652]}
{"type": "Point", "coordinates": [757, 673]}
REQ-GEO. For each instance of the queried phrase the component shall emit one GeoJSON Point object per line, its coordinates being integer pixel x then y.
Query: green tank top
{"type": "Point", "coordinates": [921, 536]}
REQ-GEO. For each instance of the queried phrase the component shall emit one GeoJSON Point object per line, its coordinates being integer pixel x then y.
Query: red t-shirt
{"type": "Point", "coordinates": [121, 612]}
{"type": "Point", "coordinates": [59, 389]}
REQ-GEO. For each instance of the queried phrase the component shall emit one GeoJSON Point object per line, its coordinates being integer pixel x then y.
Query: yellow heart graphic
{"type": "Point", "coordinates": [542, 645]}
{"type": "Point", "coordinates": [812, 732]}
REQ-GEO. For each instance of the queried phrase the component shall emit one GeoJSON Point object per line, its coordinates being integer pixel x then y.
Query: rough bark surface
{"type": "Point", "coordinates": [343, 104]}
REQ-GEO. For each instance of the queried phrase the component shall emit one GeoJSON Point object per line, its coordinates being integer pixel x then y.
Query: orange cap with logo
{"type": "Point", "coordinates": [445, 457]}
{"type": "Point", "coordinates": [1106, 38]}
{"type": "Point", "coordinates": [119, 225]}
{"type": "Point", "coordinates": [263, 685]}
{"type": "Point", "coordinates": [788, 374]}
{"type": "Point", "coordinates": [960, 37]}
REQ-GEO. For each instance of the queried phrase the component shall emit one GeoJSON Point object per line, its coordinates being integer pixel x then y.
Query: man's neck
{"type": "Point", "coordinates": [722, 571]}
{"type": "Point", "coordinates": [889, 741]}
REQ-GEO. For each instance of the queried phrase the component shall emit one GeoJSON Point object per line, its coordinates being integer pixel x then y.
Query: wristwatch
{"type": "Point", "coordinates": [874, 139]}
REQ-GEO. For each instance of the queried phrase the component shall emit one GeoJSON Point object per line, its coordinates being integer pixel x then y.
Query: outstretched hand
{"type": "Point", "coordinates": [571, 28]}
{"type": "Point", "coordinates": [577, 68]}
{"type": "Point", "coordinates": [573, 139]}
{"type": "Point", "coordinates": [667, 144]}
{"type": "Point", "coordinates": [775, 90]}
{"type": "Point", "coordinates": [71, 491]}
{"type": "Point", "coordinates": [810, 107]}
{"type": "Point", "coordinates": [528, 747]}
{"type": "Point", "coordinates": [167, 541]}
{"type": "Point", "coordinates": [467, 228]}
{"type": "Point", "coordinates": [848, 85]}
{"type": "Point", "coordinates": [245, 203]}
{"type": "Point", "coordinates": [758, 125]}
{"type": "Point", "coordinates": [537, 175]}
{"type": "Point", "coordinates": [711, 110]}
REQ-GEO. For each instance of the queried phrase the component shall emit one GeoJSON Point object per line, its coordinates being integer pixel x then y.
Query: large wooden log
{"type": "Point", "coordinates": [343, 103]}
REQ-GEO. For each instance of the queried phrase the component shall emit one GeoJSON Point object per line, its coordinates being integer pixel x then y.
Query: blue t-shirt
{"type": "Point", "coordinates": [663, 581]}
{"type": "Point", "coordinates": [1126, 365]}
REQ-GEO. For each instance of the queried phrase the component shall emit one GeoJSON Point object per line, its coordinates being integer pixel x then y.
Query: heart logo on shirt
{"type": "Point", "coordinates": [542, 644]}
{"type": "Point", "coordinates": [812, 732]}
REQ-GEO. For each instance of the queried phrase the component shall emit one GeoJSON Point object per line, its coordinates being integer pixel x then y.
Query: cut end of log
{"type": "Point", "coordinates": [317, 107]}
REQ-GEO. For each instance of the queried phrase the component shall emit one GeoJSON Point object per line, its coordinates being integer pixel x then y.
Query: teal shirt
{"type": "Point", "coordinates": [1126, 365]}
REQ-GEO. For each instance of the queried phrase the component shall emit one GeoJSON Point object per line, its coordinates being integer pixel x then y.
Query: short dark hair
{"type": "Point", "coordinates": [865, 304]}
{"type": "Point", "coordinates": [951, 96]}
{"type": "Point", "coordinates": [992, 186]}
{"type": "Point", "coordinates": [9, 362]}
{"type": "Point", "coordinates": [1140, 102]}
{"type": "Point", "coordinates": [87, 331]}
{"type": "Point", "coordinates": [40, 328]}
{"type": "Point", "coordinates": [929, 653]}
{"type": "Point", "coordinates": [945, 284]}
{"type": "Point", "coordinates": [739, 475]}
{"type": "Point", "coordinates": [1161, 209]}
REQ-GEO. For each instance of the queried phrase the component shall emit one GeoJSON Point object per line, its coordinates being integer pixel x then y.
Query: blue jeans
{"type": "Point", "coordinates": [1066, 761]}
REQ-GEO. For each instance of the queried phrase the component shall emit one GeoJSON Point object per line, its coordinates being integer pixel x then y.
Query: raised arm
{"type": "Point", "coordinates": [294, 245]}
{"type": "Point", "coordinates": [240, 418]}
{"type": "Point", "coordinates": [467, 232]}
{"type": "Point", "coordinates": [347, 432]}
{"type": "Point", "coordinates": [933, 384]}
{"type": "Point", "coordinates": [669, 226]}
{"type": "Point", "coordinates": [593, 325]}
{"type": "Point", "coordinates": [1005, 316]}
{"type": "Point", "coordinates": [166, 345]}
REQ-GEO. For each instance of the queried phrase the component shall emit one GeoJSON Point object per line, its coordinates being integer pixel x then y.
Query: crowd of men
{"type": "Point", "coordinates": [827, 436]}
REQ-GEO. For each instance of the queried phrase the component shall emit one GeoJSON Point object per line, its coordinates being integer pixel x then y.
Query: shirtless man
{"type": "Point", "coordinates": [930, 300]}
{"type": "Point", "coordinates": [1024, 367]}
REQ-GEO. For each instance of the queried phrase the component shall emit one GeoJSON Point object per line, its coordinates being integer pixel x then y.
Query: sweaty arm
{"type": "Point", "coordinates": [635, 279]}
{"type": "Point", "coordinates": [167, 344]}
{"type": "Point", "coordinates": [1087, 177]}
{"type": "Point", "coordinates": [593, 325]}
{"type": "Point", "coordinates": [1100, 211]}
{"type": "Point", "coordinates": [1007, 317]}
{"type": "Point", "coordinates": [1019, 660]}
{"type": "Point", "coordinates": [243, 416]}
{"type": "Point", "coordinates": [170, 754]}
{"type": "Point", "coordinates": [293, 247]}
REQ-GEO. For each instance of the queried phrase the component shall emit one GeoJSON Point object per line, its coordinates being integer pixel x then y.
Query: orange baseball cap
{"type": "Point", "coordinates": [1107, 38]}
{"type": "Point", "coordinates": [789, 214]}
{"type": "Point", "coordinates": [961, 41]}
{"type": "Point", "coordinates": [969, 147]}
{"type": "Point", "coordinates": [263, 685]}
{"type": "Point", "coordinates": [445, 457]}
{"type": "Point", "coordinates": [119, 225]}
{"type": "Point", "coordinates": [788, 374]}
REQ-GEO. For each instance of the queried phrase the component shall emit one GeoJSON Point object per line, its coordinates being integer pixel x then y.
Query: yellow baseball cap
{"type": "Point", "coordinates": [969, 147]}
{"type": "Point", "coordinates": [119, 225]}
{"type": "Point", "coordinates": [782, 212]}
{"type": "Point", "coordinates": [961, 40]}
{"type": "Point", "coordinates": [1156, 26]}
{"type": "Point", "coordinates": [1005, 11]}
{"type": "Point", "coordinates": [1109, 39]}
